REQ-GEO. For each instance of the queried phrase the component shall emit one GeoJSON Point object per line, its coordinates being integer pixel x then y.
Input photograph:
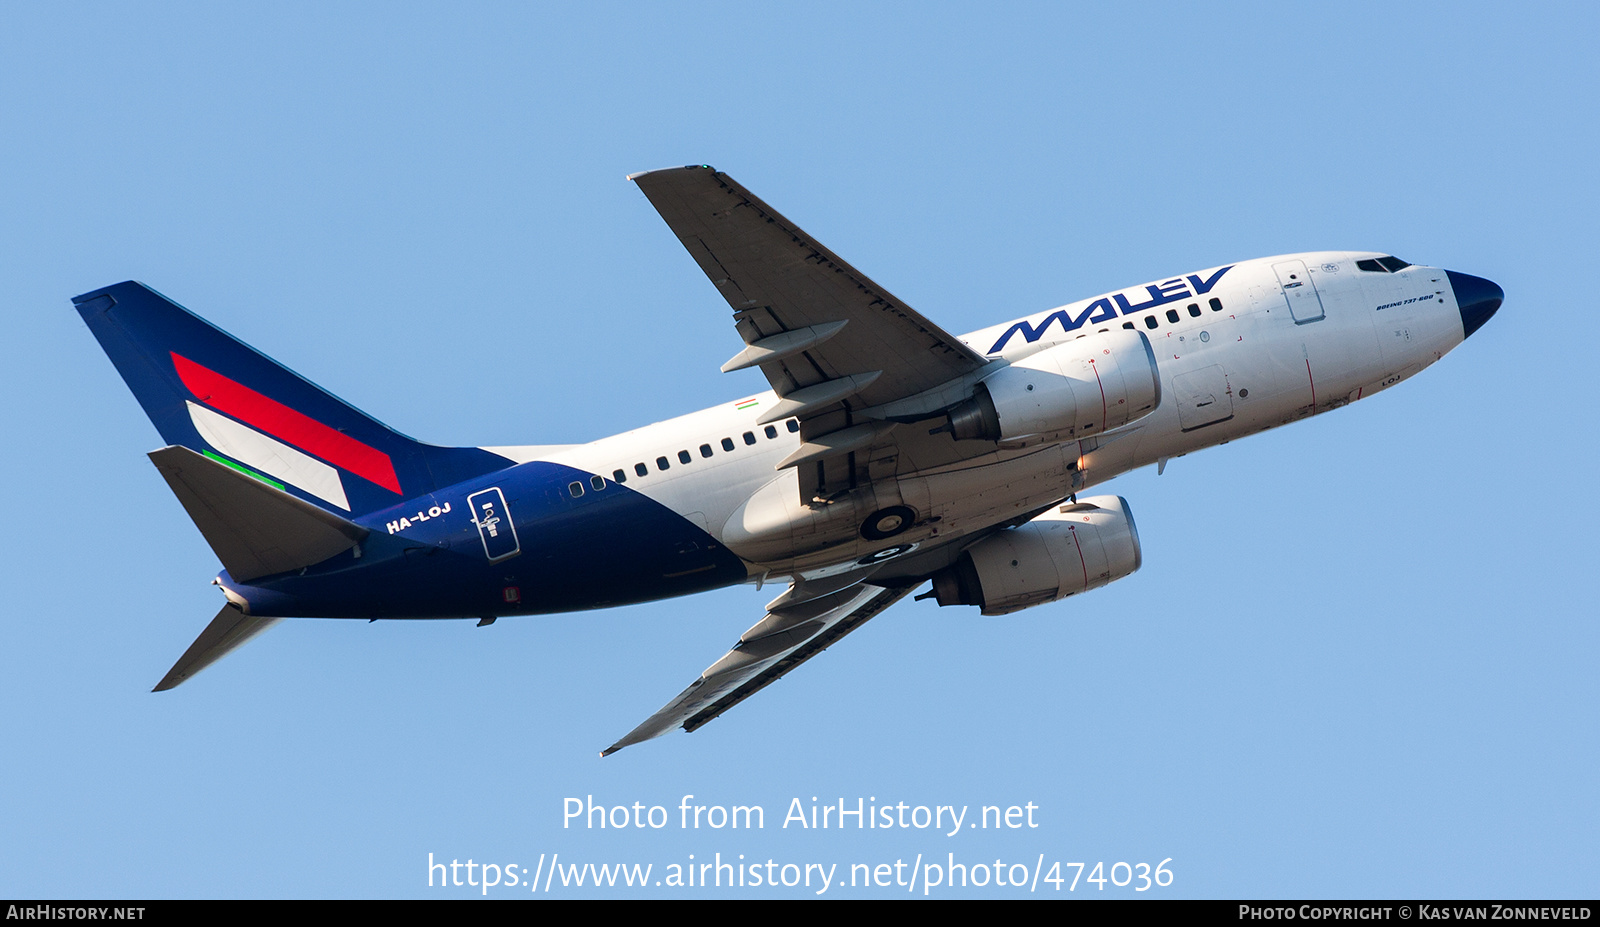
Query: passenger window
{"type": "Point", "coordinates": [1216, 304]}
{"type": "Point", "coordinates": [1129, 326]}
{"type": "Point", "coordinates": [641, 469]}
{"type": "Point", "coordinates": [1194, 310]}
{"type": "Point", "coordinates": [576, 489]}
{"type": "Point", "coordinates": [683, 457]}
{"type": "Point", "coordinates": [1172, 316]}
{"type": "Point", "coordinates": [749, 437]}
{"type": "Point", "coordinates": [598, 482]}
{"type": "Point", "coordinates": [661, 463]}
{"type": "Point", "coordinates": [794, 425]}
{"type": "Point", "coordinates": [705, 450]}
{"type": "Point", "coordinates": [727, 444]}
{"type": "Point", "coordinates": [1150, 321]}
{"type": "Point", "coordinates": [771, 431]}
{"type": "Point", "coordinates": [619, 476]}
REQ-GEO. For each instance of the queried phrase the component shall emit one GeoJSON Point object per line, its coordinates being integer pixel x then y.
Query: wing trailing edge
{"type": "Point", "coordinates": [832, 342]}
{"type": "Point", "coordinates": [787, 637]}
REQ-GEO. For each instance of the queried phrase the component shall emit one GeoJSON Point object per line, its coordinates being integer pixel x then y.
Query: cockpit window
{"type": "Point", "coordinates": [1385, 265]}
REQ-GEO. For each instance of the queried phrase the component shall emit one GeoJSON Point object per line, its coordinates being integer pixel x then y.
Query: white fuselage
{"type": "Point", "coordinates": [1268, 341]}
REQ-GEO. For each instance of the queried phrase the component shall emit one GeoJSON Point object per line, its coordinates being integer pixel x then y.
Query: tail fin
{"type": "Point", "coordinates": [207, 391]}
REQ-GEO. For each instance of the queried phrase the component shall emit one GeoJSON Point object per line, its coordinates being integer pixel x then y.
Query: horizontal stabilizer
{"type": "Point", "coordinates": [228, 630]}
{"type": "Point", "coordinates": [255, 529]}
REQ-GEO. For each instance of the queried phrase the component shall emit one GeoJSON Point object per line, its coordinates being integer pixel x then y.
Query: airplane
{"type": "Point", "coordinates": [888, 453]}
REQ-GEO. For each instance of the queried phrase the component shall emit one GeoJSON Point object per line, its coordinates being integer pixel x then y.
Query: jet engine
{"type": "Point", "coordinates": [1072, 549]}
{"type": "Point", "coordinates": [1082, 387]}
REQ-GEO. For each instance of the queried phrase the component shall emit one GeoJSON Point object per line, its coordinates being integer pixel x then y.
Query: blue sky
{"type": "Point", "coordinates": [1358, 661]}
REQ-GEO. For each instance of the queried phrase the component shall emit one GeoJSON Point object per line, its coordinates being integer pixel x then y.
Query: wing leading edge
{"type": "Point", "coordinates": [807, 316]}
{"type": "Point", "coordinates": [842, 353]}
{"type": "Point", "coordinates": [845, 357]}
{"type": "Point", "coordinates": [787, 637]}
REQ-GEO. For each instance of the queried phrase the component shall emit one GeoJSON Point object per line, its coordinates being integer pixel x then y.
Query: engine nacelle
{"type": "Point", "coordinates": [1083, 387]}
{"type": "Point", "coordinates": [1071, 549]}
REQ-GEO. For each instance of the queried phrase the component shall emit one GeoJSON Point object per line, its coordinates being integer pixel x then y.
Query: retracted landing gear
{"type": "Point", "coordinates": [886, 523]}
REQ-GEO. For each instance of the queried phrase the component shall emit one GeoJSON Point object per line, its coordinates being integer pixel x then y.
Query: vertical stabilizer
{"type": "Point", "coordinates": [211, 393]}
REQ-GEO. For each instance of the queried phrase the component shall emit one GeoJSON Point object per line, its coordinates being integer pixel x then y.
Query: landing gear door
{"type": "Point", "coordinates": [1298, 290]}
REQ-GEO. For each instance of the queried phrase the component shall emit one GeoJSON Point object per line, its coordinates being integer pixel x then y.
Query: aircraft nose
{"type": "Point", "coordinates": [1478, 299]}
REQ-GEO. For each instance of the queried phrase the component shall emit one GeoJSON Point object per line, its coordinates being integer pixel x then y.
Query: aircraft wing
{"type": "Point", "coordinates": [788, 636]}
{"type": "Point", "coordinates": [807, 317]}
{"type": "Point", "coordinates": [845, 356]}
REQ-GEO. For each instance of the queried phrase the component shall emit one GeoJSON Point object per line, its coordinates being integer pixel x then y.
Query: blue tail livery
{"type": "Point", "coordinates": [205, 390]}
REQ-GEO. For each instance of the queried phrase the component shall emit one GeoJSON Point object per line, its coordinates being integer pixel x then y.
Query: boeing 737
{"type": "Point", "coordinates": [887, 455]}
